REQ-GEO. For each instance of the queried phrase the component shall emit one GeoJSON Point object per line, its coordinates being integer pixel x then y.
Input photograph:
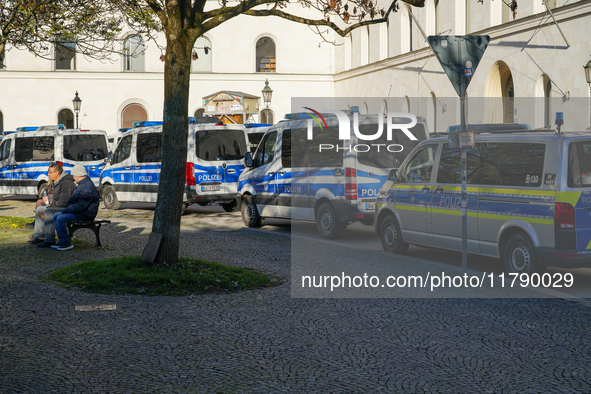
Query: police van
{"type": "Point", "coordinates": [114, 138]}
{"type": "Point", "coordinates": [215, 159]}
{"type": "Point", "coordinates": [25, 156]}
{"type": "Point", "coordinates": [255, 132]}
{"type": "Point", "coordinates": [529, 199]}
{"type": "Point", "coordinates": [319, 168]}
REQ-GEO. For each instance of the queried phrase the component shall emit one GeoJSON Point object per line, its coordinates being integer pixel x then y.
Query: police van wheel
{"type": "Point", "coordinates": [520, 255]}
{"type": "Point", "coordinates": [40, 189]}
{"type": "Point", "coordinates": [110, 200]}
{"type": "Point", "coordinates": [391, 236]}
{"type": "Point", "coordinates": [183, 208]}
{"type": "Point", "coordinates": [250, 213]}
{"type": "Point", "coordinates": [230, 206]}
{"type": "Point", "coordinates": [328, 223]}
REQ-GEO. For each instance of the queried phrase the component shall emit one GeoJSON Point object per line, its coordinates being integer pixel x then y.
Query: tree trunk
{"type": "Point", "coordinates": [167, 216]}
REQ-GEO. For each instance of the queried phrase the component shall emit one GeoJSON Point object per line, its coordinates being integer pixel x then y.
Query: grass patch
{"type": "Point", "coordinates": [13, 222]}
{"type": "Point", "coordinates": [125, 275]}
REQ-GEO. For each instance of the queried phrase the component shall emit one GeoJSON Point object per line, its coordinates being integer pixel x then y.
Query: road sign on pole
{"type": "Point", "coordinates": [459, 56]}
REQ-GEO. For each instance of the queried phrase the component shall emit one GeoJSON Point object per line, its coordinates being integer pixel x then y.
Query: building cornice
{"type": "Point", "coordinates": [159, 76]}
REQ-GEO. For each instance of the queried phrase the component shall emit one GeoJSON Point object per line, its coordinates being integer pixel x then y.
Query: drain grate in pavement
{"type": "Point", "coordinates": [93, 308]}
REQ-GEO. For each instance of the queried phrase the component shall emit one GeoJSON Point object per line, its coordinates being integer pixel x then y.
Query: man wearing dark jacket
{"type": "Point", "coordinates": [83, 205]}
{"type": "Point", "coordinates": [61, 187]}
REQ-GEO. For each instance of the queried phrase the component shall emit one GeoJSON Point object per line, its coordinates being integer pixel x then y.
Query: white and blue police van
{"type": "Point", "coordinates": [215, 160]}
{"type": "Point", "coordinates": [325, 168]}
{"type": "Point", "coordinates": [26, 155]}
{"type": "Point", "coordinates": [255, 132]}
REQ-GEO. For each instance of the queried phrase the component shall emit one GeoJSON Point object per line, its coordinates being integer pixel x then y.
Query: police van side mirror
{"type": "Point", "coordinates": [393, 175]}
{"type": "Point", "coordinates": [248, 163]}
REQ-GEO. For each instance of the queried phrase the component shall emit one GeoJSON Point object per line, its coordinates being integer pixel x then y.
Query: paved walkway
{"type": "Point", "coordinates": [264, 341]}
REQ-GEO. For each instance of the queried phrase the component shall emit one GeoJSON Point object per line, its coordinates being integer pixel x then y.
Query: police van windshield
{"type": "Point", "coordinates": [213, 145]}
{"type": "Point", "coordinates": [389, 155]}
{"type": "Point", "coordinates": [85, 147]}
{"type": "Point", "coordinates": [579, 164]}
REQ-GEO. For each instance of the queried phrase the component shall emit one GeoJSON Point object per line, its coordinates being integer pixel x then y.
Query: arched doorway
{"type": "Point", "coordinates": [66, 117]}
{"type": "Point", "coordinates": [267, 116]}
{"type": "Point", "coordinates": [200, 112]}
{"type": "Point", "coordinates": [501, 93]}
{"type": "Point", "coordinates": [133, 113]}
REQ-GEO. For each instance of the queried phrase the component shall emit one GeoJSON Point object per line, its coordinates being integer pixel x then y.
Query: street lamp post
{"type": "Point", "coordinates": [587, 68]}
{"type": "Point", "coordinates": [77, 103]}
{"type": "Point", "coordinates": [267, 95]}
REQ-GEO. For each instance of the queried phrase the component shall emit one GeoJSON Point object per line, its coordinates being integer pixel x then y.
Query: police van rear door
{"type": "Point", "coordinates": [219, 152]}
{"type": "Point", "coordinates": [88, 148]}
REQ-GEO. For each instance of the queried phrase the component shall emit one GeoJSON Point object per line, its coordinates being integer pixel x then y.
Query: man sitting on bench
{"type": "Point", "coordinates": [83, 205]}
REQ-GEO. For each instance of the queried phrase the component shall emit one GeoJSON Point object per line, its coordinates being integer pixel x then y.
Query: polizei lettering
{"type": "Point", "coordinates": [209, 177]}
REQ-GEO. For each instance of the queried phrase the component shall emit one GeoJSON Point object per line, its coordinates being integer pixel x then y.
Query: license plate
{"type": "Point", "coordinates": [210, 188]}
{"type": "Point", "coordinates": [370, 206]}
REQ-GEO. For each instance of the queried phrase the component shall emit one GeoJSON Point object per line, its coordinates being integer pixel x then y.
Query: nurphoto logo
{"type": "Point", "coordinates": [393, 122]}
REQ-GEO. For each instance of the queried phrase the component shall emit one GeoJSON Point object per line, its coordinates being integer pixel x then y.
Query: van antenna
{"type": "Point", "coordinates": [82, 120]}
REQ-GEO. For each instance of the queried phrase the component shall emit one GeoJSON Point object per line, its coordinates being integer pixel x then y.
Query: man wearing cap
{"type": "Point", "coordinates": [61, 187]}
{"type": "Point", "coordinates": [83, 205]}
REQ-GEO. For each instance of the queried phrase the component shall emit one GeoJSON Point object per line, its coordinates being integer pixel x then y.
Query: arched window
{"type": "Point", "coordinates": [199, 112]}
{"type": "Point", "coordinates": [66, 117]}
{"type": "Point", "coordinates": [65, 56]}
{"type": "Point", "coordinates": [133, 113]}
{"type": "Point", "coordinates": [201, 62]}
{"type": "Point", "coordinates": [133, 53]}
{"type": "Point", "coordinates": [499, 85]}
{"type": "Point", "coordinates": [267, 116]}
{"type": "Point", "coordinates": [265, 55]}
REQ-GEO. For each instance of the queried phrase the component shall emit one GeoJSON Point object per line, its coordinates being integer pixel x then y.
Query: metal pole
{"type": "Point", "coordinates": [464, 201]}
{"type": "Point", "coordinates": [76, 119]}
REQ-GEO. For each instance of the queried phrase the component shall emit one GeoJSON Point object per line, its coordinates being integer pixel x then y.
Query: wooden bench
{"type": "Point", "coordinates": [94, 225]}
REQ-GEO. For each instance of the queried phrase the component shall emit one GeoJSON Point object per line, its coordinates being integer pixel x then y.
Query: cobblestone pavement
{"type": "Point", "coordinates": [264, 341]}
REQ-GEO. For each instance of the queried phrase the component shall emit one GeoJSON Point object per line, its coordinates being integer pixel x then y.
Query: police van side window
{"type": "Point", "coordinates": [293, 148]}
{"type": "Point", "coordinates": [149, 148]}
{"type": "Point", "coordinates": [509, 164]}
{"type": "Point", "coordinates": [579, 164]}
{"type": "Point", "coordinates": [33, 149]}
{"type": "Point", "coordinates": [449, 164]}
{"type": "Point", "coordinates": [420, 167]}
{"type": "Point", "coordinates": [266, 151]}
{"type": "Point", "coordinates": [123, 150]}
{"type": "Point", "coordinates": [5, 150]}
{"type": "Point", "coordinates": [85, 147]}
